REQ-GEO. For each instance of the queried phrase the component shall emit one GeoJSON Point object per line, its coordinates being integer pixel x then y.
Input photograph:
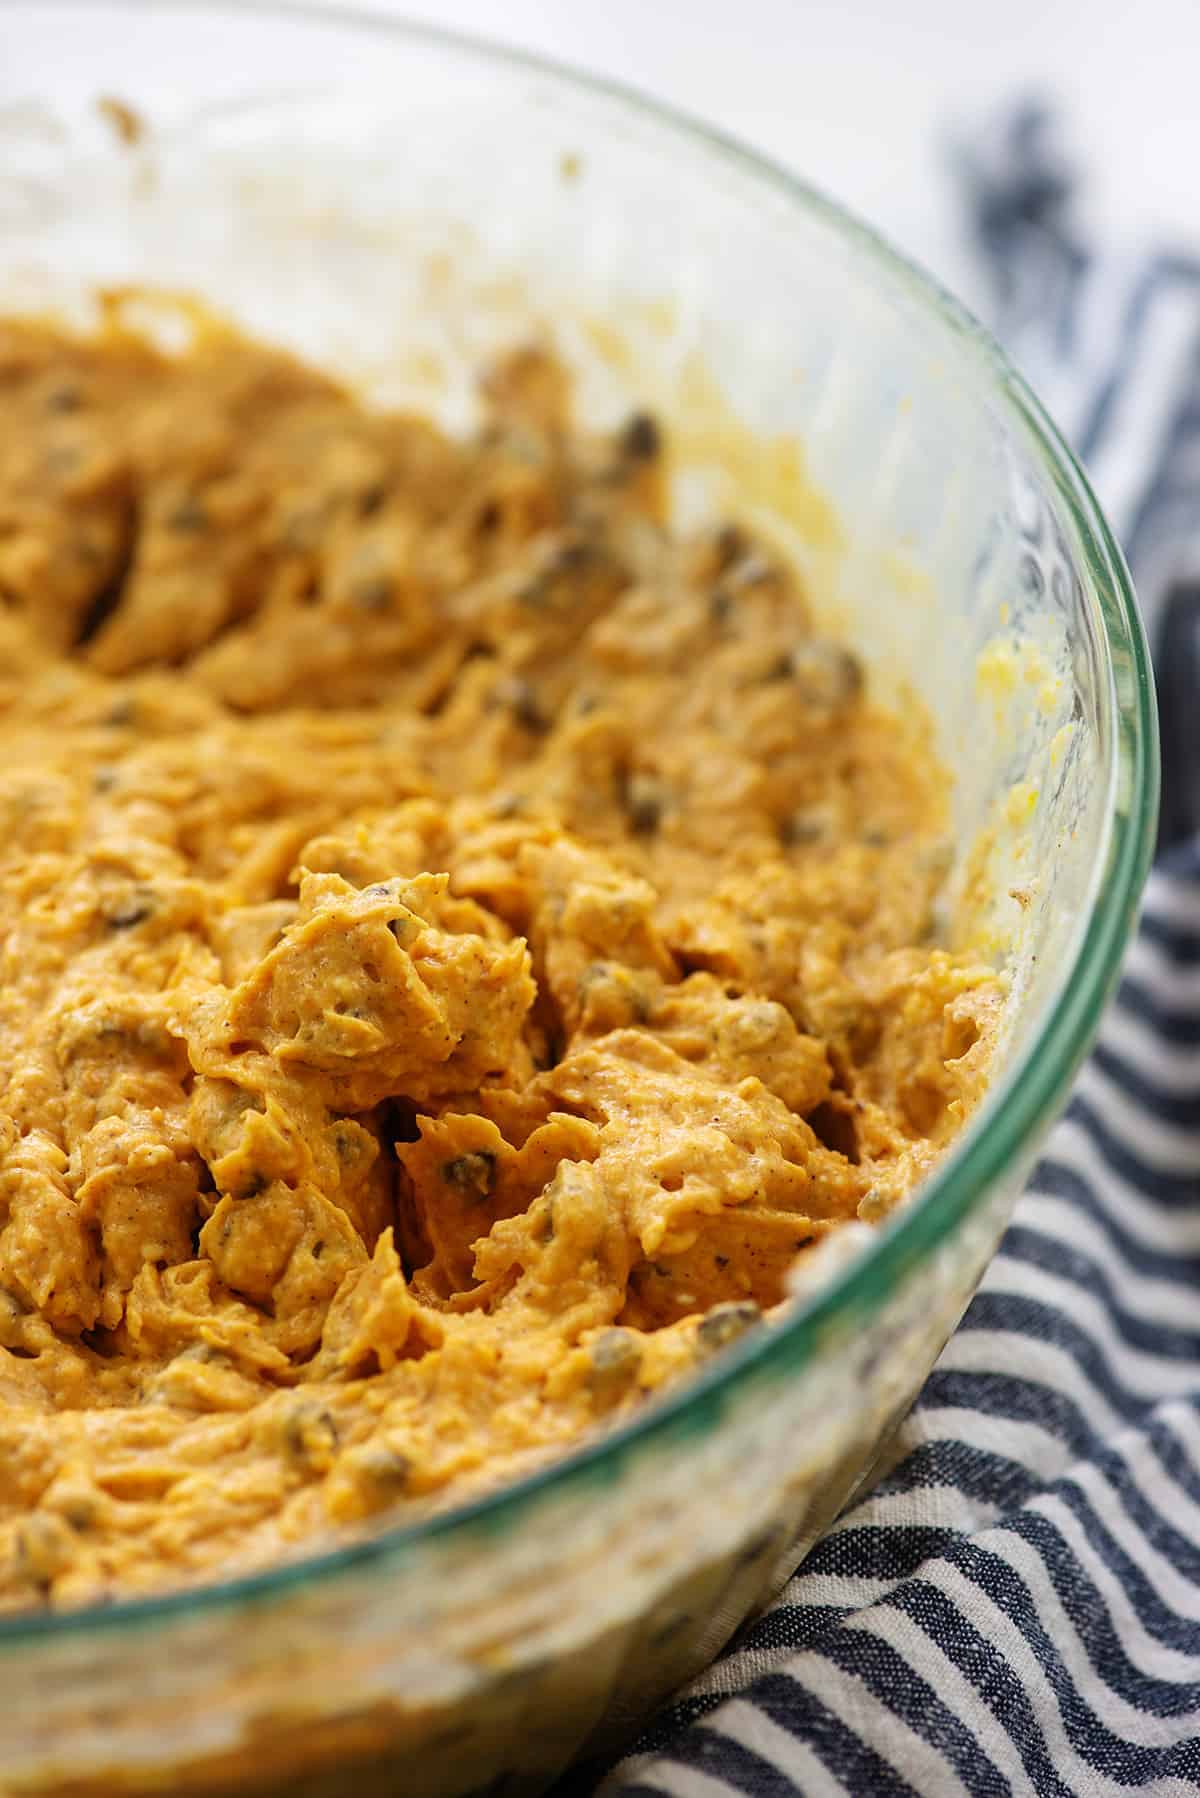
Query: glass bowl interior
{"type": "Point", "coordinates": [396, 204]}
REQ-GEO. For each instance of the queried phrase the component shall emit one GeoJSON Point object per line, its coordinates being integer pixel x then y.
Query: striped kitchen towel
{"type": "Point", "coordinates": [1016, 1608]}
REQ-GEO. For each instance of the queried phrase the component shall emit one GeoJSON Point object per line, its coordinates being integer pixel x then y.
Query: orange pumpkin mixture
{"type": "Point", "coordinates": [461, 942]}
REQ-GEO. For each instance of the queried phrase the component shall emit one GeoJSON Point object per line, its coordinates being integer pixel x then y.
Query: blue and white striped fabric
{"type": "Point", "coordinates": [1016, 1609]}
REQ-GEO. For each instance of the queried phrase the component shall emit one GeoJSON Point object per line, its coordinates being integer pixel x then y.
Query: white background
{"type": "Point", "coordinates": [861, 95]}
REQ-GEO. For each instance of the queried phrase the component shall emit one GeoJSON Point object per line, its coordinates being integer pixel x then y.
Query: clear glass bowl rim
{"type": "Point", "coordinates": [1023, 1101]}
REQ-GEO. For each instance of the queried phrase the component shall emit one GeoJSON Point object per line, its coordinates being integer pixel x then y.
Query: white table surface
{"type": "Point", "coordinates": [859, 95]}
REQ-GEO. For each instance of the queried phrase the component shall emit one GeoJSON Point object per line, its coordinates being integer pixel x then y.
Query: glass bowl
{"type": "Point", "coordinates": [396, 204]}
